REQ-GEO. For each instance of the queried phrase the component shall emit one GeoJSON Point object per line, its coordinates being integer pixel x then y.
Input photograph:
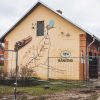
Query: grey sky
{"type": "Point", "coordinates": [86, 13]}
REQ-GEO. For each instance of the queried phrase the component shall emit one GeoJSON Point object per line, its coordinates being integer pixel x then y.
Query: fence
{"type": "Point", "coordinates": [74, 68]}
{"type": "Point", "coordinates": [65, 68]}
{"type": "Point", "coordinates": [9, 70]}
{"type": "Point", "coordinates": [62, 73]}
{"type": "Point", "coordinates": [70, 68]}
{"type": "Point", "coordinates": [8, 58]}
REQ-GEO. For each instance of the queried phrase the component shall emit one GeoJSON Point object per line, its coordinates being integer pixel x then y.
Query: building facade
{"type": "Point", "coordinates": [50, 44]}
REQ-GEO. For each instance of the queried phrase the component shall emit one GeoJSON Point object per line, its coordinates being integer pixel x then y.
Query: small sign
{"type": "Point", "coordinates": [65, 60]}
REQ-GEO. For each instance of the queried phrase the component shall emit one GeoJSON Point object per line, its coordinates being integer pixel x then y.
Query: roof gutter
{"type": "Point", "coordinates": [87, 57]}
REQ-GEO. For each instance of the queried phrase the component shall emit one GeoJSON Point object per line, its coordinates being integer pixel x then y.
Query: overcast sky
{"type": "Point", "coordinates": [86, 13]}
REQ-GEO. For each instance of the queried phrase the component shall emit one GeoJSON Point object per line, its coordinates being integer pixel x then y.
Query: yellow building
{"type": "Point", "coordinates": [49, 43]}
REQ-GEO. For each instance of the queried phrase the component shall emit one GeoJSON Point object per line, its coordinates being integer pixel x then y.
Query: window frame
{"type": "Point", "coordinates": [42, 33]}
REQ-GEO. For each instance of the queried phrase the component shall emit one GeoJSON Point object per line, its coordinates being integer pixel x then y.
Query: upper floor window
{"type": "Point", "coordinates": [40, 28]}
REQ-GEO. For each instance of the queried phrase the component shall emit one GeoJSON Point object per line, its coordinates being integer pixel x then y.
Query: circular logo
{"type": "Point", "coordinates": [65, 53]}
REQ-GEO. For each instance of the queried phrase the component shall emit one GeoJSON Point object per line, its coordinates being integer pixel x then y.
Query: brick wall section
{"type": "Point", "coordinates": [1, 55]}
{"type": "Point", "coordinates": [1, 52]}
{"type": "Point", "coordinates": [93, 49]}
{"type": "Point", "coordinates": [83, 48]}
{"type": "Point", "coordinates": [6, 56]}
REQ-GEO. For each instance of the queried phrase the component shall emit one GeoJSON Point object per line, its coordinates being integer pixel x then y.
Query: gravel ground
{"type": "Point", "coordinates": [83, 94]}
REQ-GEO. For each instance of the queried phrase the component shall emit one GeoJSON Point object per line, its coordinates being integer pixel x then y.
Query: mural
{"type": "Point", "coordinates": [22, 43]}
{"type": "Point", "coordinates": [37, 56]}
{"type": "Point", "coordinates": [34, 57]}
{"type": "Point", "coordinates": [65, 35]}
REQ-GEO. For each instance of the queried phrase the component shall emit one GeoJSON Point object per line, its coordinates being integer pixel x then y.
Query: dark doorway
{"type": "Point", "coordinates": [93, 66]}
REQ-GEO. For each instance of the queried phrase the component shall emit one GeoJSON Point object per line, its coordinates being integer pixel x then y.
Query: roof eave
{"type": "Point", "coordinates": [18, 22]}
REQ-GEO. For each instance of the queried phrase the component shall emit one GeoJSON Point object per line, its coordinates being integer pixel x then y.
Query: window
{"type": "Point", "coordinates": [40, 28]}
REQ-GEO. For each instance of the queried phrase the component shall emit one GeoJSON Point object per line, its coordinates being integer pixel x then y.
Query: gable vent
{"type": "Point", "coordinates": [59, 11]}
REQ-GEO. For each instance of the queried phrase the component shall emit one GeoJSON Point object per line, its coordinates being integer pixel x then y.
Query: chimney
{"type": "Point", "coordinates": [59, 11]}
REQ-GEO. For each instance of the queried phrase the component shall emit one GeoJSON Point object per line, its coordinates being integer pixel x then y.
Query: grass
{"type": "Point", "coordinates": [39, 89]}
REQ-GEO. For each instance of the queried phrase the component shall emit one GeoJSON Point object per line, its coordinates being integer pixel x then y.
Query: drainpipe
{"type": "Point", "coordinates": [87, 58]}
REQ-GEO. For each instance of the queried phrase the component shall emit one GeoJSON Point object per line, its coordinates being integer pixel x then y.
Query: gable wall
{"type": "Point", "coordinates": [58, 42]}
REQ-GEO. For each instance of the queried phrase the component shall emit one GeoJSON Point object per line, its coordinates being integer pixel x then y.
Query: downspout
{"type": "Point", "coordinates": [87, 58]}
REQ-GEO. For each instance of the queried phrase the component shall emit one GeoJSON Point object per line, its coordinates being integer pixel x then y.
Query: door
{"type": "Point", "coordinates": [93, 67]}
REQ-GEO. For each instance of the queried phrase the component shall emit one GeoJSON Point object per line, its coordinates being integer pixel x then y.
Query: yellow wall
{"type": "Point", "coordinates": [56, 44]}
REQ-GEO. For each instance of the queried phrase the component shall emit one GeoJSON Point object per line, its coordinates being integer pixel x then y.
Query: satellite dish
{"type": "Point", "coordinates": [51, 23]}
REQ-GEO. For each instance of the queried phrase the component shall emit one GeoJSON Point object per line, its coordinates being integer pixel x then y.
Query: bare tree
{"type": "Point", "coordinates": [26, 72]}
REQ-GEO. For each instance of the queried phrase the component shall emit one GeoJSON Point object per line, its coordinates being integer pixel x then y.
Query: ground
{"type": "Point", "coordinates": [57, 91]}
